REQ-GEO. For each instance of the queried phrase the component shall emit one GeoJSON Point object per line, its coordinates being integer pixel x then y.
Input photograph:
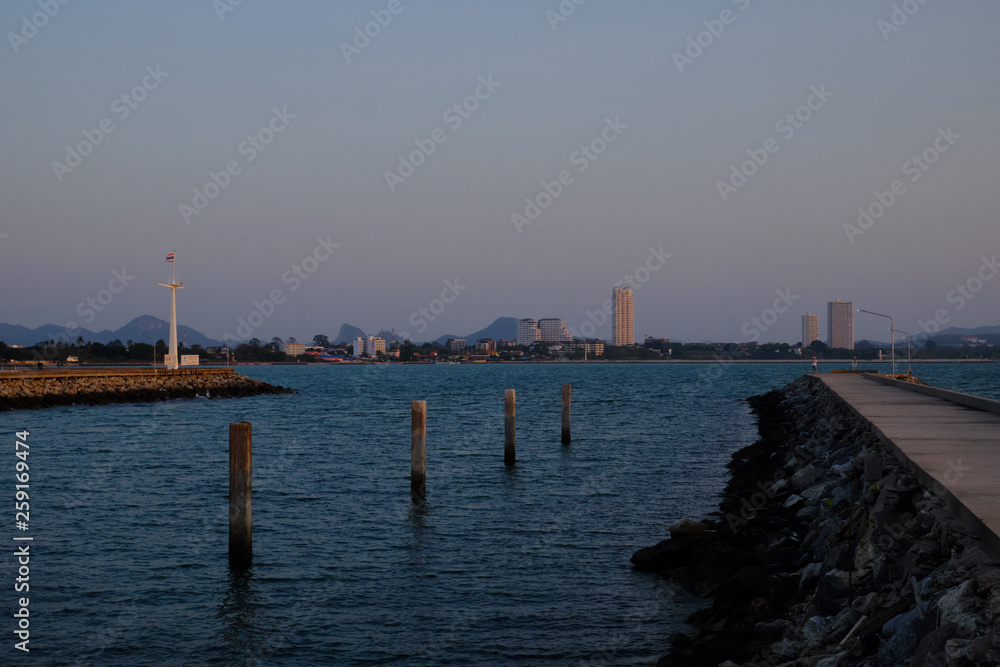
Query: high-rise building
{"type": "Point", "coordinates": [553, 330]}
{"type": "Point", "coordinates": [359, 347]}
{"type": "Point", "coordinates": [840, 324]}
{"type": "Point", "coordinates": [293, 349]}
{"type": "Point", "coordinates": [375, 345]}
{"type": "Point", "coordinates": [810, 329]}
{"type": "Point", "coordinates": [622, 320]}
{"type": "Point", "coordinates": [456, 344]}
{"type": "Point", "coordinates": [528, 332]}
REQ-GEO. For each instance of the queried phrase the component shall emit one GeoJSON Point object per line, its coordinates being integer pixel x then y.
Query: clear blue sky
{"type": "Point", "coordinates": [656, 184]}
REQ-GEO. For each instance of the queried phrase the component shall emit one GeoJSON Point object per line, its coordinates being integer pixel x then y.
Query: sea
{"type": "Point", "coordinates": [507, 565]}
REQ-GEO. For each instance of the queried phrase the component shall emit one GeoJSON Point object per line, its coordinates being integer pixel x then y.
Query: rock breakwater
{"type": "Point", "coordinates": [31, 391]}
{"type": "Point", "coordinates": [825, 552]}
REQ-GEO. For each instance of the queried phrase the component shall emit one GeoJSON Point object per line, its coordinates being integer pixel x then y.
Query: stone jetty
{"type": "Point", "coordinates": [35, 390]}
{"type": "Point", "coordinates": [827, 552]}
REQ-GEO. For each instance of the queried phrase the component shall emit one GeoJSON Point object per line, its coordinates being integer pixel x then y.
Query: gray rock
{"type": "Point", "coordinates": [844, 468]}
{"type": "Point", "coordinates": [833, 660]}
{"type": "Point", "coordinates": [686, 528]}
{"type": "Point", "coordinates": [786, 648]}
{"type": "Point", "coordinates": [818, 491]}
{"type": "Point", "coordinates": [810, 573]}
{"type": "Point", "coordinates": [807, 513]}
{"type": "Point", "coordinates": [831, 592]}
{"type": "Point", "coordinates": [805, 477]}
{"type": "Point", "coordinates": [958, 606]}
{"type": "Point", "coordinates": [770, 631]}
{"type": "Point", "coordinates": [956, 650]}
{"type": "Point", "coordinates": [903, 639]}
{"type": "Point", "coordinates": [816, 629]}
{"type": "Point", "coordinates": [899, 622]}
{"type": "Point", "coordinates": [794, 501]}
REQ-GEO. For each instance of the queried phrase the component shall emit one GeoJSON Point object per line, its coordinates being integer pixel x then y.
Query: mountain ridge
{"type": "Point", "coordinates": [142, 329]}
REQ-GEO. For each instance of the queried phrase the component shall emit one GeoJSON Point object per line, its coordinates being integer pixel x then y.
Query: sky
{"type": "Point", "coordinates": [308, 164]}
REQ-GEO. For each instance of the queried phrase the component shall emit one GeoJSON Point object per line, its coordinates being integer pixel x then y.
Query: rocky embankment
{"type": "Point", "coordinates": [30, 393]}
{"type": "Point", "coordinates": [825, 552]}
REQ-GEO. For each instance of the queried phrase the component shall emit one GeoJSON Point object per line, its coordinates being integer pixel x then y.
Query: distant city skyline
{"type": "Point", "coordinates": [477, 160]}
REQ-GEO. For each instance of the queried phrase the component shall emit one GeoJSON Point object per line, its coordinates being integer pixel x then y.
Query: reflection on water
{"type": "Point", "coordinates": [239, 613]}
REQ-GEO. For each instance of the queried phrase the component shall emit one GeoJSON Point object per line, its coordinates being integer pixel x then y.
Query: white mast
{"type": "Point", "coordinates": [174, 286]}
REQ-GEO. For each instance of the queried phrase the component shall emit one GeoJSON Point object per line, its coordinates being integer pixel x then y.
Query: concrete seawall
{"type": "Point", "coordinates": [32, 391]}
{"type": "Point", "coordinates": [828, 550]}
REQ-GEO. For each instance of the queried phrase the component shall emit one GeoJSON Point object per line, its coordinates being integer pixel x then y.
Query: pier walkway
{"type": "Point", "coordinates": [951, 448]}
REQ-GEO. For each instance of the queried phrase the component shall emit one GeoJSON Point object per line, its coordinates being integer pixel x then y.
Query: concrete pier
{"type": "Point", "coordinates": [952, 449]}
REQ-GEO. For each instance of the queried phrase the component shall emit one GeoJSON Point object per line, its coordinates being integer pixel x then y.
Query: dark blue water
{"type": "Point", "coordinates": [524, 565]}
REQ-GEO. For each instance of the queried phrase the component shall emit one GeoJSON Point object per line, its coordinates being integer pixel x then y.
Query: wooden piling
{"type": "Point", "coordinates": [509, 457]}
{"type": "Point", "coordinates": [418, 451]}
{"type": "Point", "coordinates": [240, 494]}
{"type": "Point", "coordinates": [565, 413]}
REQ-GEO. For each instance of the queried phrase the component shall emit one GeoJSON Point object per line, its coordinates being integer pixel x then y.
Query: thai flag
{"type": "Point", "coordinates": [170, 257]}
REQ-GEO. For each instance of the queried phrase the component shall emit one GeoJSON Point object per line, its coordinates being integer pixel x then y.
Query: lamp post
{"type": "Point", "coordinates": [909, 365]}
{"type": "Point", "coordinates": [892, 345]}
{"type": "Point", "coordinates": [174, 286]}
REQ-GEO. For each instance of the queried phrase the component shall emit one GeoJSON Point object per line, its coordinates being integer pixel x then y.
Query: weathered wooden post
{"type": "Point", "coordinates": [240, 494]}
{"type": "Point", "coordinates": [509, 457]}
{"type": "Point", "coordinates": [418, 451]}
{"type": "Point", "coordinates": [565, 414]}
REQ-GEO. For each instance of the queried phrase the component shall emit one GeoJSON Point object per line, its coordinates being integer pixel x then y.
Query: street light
{"type": "Point", "coordinates": [909, 367]}
{"type": "Point", "coordinates": [892, 345]}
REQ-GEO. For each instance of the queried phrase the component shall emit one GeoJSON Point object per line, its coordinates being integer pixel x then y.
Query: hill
{"type": "Point", "coordinates": [347, 334]}
{"type": "Point", "coordinates": [143, 329]}
{"type": "Point", "coordinates": [502, 328]}
{"type": "Point", "coordinates": [146, 328]}
{"type": "Point", "coordinates": [978, 331]}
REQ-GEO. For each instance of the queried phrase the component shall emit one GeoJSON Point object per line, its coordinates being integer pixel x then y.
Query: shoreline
{"type": "Point", "coordinates": [34, 390]}
{"type": "Point", "coordinates": [805, 362]}
{"type": "Point", "coordinates": [826, 552]}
